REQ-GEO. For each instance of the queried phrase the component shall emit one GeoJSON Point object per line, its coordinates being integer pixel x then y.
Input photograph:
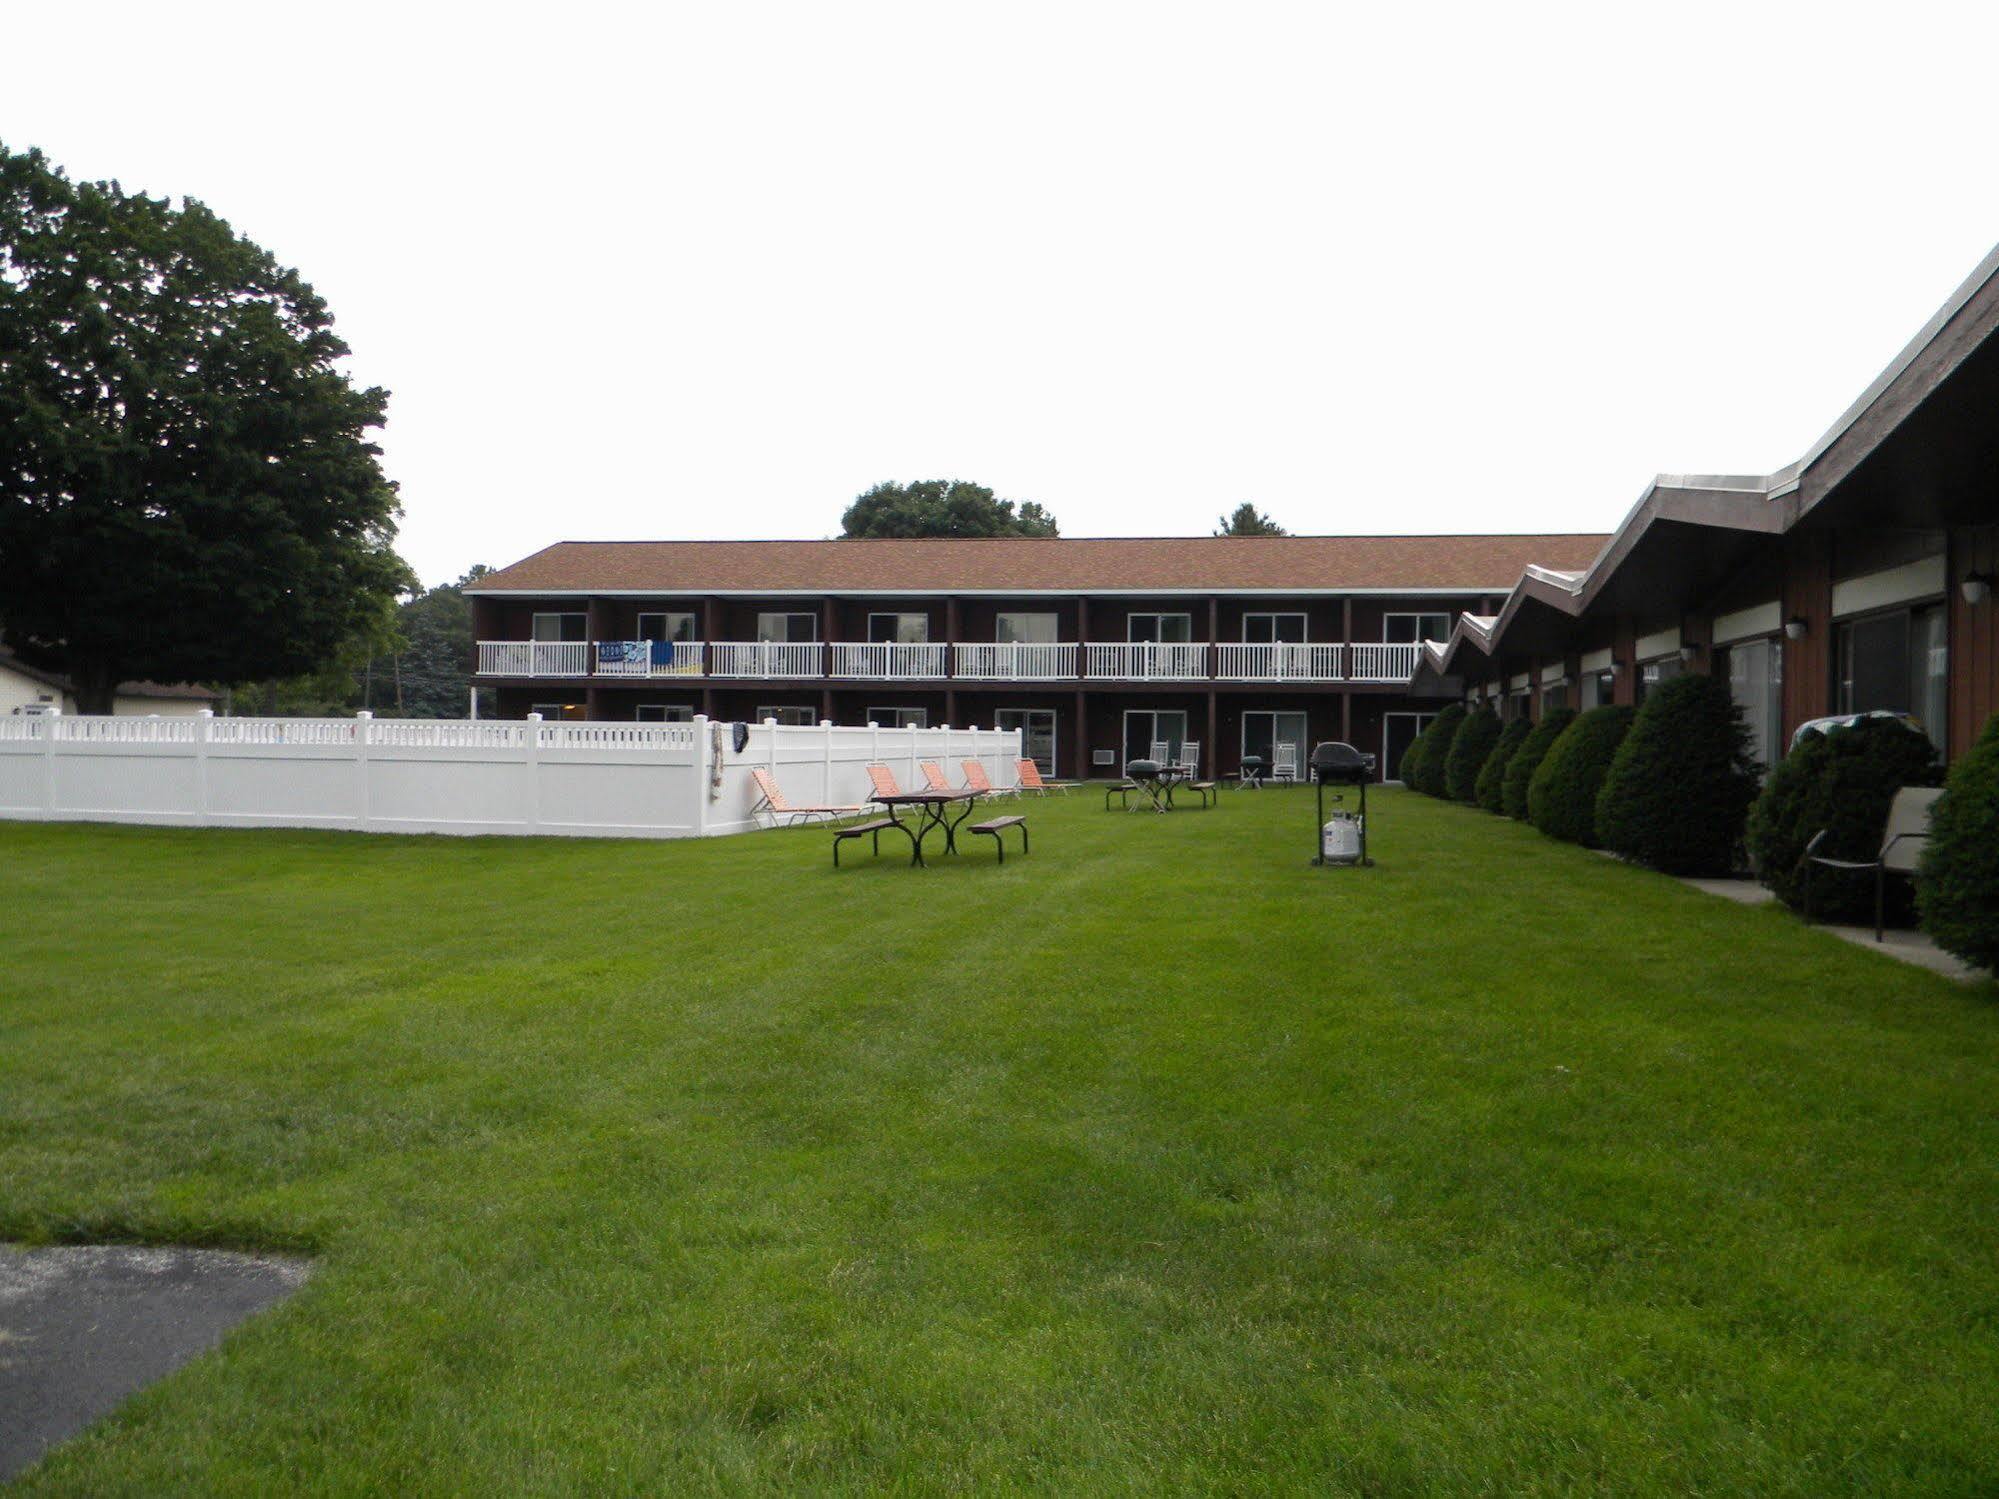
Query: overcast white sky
{"type": "Point", "coordinates": [711, 270]}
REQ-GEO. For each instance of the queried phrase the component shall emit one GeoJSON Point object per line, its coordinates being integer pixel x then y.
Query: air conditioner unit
{"type": "Point", "coordinates": [1103, 757]}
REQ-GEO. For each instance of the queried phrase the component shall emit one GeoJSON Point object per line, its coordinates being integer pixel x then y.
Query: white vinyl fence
{"type": "Point", "coordinates": [609, 780]}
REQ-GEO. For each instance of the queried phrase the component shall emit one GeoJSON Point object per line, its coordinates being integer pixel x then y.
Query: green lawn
{"type": "Point", "coordinates": [1157, 1159]}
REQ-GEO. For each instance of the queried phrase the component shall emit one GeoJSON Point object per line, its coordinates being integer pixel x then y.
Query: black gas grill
{"type": "Point", "coordinates": [1337, 764]}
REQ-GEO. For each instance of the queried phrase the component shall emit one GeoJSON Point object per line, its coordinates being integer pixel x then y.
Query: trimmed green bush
{"type": "Point", "coordinates": [1412, 759]}
{"type": "Point", "coordinates": [1957, 887]}
{"type": "Point", "coordinates": [1561, 799]}
{"type": "Point", "coordinates": [1842, 781]}
{"type": "Point", "coordinates": [1679, 788]}
{"type": "Point", "coordinates": [1430, 768]}
{"type": "Point", "coordinates": [1491, 787]}
{"type": "Point", "coordinates": [1527, 759]}
{"type": "Point", "coordinates": [1475, 738]}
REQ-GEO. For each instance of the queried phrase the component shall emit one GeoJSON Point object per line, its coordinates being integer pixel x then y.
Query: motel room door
{"type": "Point", "coordinates": [1398, 732]}
{"type": "Point", "coordinates": [1037, 734]}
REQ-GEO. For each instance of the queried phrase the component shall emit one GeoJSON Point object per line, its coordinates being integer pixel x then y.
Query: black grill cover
{"type": "Point", "coordinates": [1336, 764]}
{"type": "Point", "coordinates": [1141, 769]}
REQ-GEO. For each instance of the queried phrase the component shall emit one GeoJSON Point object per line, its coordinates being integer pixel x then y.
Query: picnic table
{"type": "Point", "coordinates": [932, 811]}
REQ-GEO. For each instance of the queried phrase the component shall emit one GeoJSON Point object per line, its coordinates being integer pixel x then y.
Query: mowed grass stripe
{"type": "Point", "coordinates": [1155, 1158]}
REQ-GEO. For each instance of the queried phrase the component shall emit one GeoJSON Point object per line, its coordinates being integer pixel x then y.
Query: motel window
{"type": "Point", "coordinates": [1273, 629]}
{"type": "Point", "coordinates": [1169, 629]}
{"type": "Point", "coordinates": [1554, 696]}
{"type": "Point", "coordinates": [1652, 673]}
{"type": "Point", "coordinates": [779, 628]}
{"type": "Point", "coordinates": [898, 629]}
{"type": "Point", "coordinates": [561, 626]}
{"type": "Point", "coordinates": [665, 713]}
{"type": "Point", "coordinates": [665, 626]}
{"type": "Point", "coordinates": [1407, 629]}
{"type": "Point", "coordinates": [1599, 688]}
{"type": "Point", "coordinates": [1755, 671]}
{"type": "Point", "coordinates": [558, 712]}
{"type": "Point", "coordinates": [1018, 628]}
{"type": "Point", "coordinates": [1898, 661]}
{"type": "Point", "coordinates": [1518, 704]}
{"type": "Point", "coordinates": [795, 717]}
{"type": "Point", "coordinates": [900, 718]}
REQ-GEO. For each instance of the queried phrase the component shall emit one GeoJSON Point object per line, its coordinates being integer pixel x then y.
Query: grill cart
{"type": "Point", "coordinates": [1342, 840]}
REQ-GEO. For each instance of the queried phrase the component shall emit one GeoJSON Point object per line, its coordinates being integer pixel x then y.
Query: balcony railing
{"type": "Point", "coordinates": [1279, 662]}
{"type": "Point", "coordinates": [534, 658]}
{"type": "Point", "coordinates": [889, 660]}
{"type": "Point", "coordinates": [766, 658]}
{"type": "Point", "coordinates": [1112, 661]}
{"type": "Point", "coordinates": [1382, 663]}
{"type": "Point", "coordinates": [649, 658]}
{"type": "Point", "coordinates": [1015, 661]}
{"type": "Point", "coordinates": [1145, 663]}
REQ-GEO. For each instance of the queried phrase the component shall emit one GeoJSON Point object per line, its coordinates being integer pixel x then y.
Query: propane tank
{"type": "Point", "coordinates": [1339, 840]}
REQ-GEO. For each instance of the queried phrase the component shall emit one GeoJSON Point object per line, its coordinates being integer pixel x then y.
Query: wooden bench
{"type": "Point", "coordinates": [993, 827]}
{"type": "Point", "coordinates": [1211, 791]}
{"type": "Point", "coordinates": [855, 830]}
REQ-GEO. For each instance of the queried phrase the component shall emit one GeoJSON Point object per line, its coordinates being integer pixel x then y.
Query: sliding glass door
{"type": "Point", "coordinates": [1037, 734]}
{"type": "Point", "coordinates": [1263, 731]}
{"type": "Point", "coordinates": [1145, 727]}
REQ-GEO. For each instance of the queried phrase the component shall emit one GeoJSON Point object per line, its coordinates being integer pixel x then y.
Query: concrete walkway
{"type": "Point", "coordinates": [84, 1327]}
{"type": "Point", "coordinates": [1908, 945]}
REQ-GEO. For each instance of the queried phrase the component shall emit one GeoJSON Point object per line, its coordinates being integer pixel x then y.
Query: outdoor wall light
{"type": "Point", "coordinates": [1688, 652]}
{"type": "Point", "coordinates": [1794, 628]}
{"type": "Point", "coordinates": [1977, 588]}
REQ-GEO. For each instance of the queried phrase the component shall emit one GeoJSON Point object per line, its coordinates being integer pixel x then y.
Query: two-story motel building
{"type": "Point", "coordinates": [1095, 648]}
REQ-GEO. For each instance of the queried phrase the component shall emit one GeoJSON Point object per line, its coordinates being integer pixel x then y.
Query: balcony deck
{"type": "Point", "coordinates": [1362, 663]}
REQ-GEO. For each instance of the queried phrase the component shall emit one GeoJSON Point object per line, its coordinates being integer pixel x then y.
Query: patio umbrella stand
{"type": "Point", "coordinates": [1342, 841]}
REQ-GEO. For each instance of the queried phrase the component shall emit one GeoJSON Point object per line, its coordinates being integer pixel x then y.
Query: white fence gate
{"type": "Point", "coordinates": [609, 780]}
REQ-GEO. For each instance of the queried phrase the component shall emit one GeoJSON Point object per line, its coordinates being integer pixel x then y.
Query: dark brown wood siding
{"type": "Point", "coordinates": [1974, 637]}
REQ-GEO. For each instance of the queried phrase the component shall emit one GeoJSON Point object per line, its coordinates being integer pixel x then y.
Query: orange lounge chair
{"type": "Point", "coordinates": [771, 803]}
{"type": "Point", "coordinates": [883, 781]}
{"type": "Point", "coordinates": [933, 777]}
{"type": "Point", "coordinates": [1030, 779]}
{"type": "Point", "coordinates": [977, 780]}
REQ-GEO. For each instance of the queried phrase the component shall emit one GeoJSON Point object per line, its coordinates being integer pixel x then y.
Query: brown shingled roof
{"type": "Point", "coordinates": [1031, 564]}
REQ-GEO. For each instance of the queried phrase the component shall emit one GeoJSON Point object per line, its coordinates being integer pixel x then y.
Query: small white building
{"type": "Point", "coordinates": [29, 689]}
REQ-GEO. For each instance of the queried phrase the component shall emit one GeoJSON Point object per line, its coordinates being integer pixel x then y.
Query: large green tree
{"type": "Point", "coordinates": [430, 672]}
{"type": "Point", "coordinates": [187, 488]}
{"type": "Point", "coordinates": [1247, 520]}
{"type": "Point", "coordinates": [942, 507]}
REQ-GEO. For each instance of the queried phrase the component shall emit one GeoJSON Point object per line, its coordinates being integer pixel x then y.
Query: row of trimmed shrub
{"type": "Point", "coordinates": [1673, 786]}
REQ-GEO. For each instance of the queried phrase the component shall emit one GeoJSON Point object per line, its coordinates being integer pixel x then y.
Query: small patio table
{"type": "Point", "coordinates": [1157, 782]}
{"type": "Point", "coordinates": [932, 809]}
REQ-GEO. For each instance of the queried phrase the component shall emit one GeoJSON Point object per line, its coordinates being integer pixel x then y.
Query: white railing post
{"type": "Point", "coordinates": [704, 768]}
{"type": "Point", "coordinates": [531, 757]}
{"type": "Point", "coordinates": [204, 724]}
{"type": "Point", "coordinates": [51, 721]}
{"type": "Point", "coordinates": [364, 724]}
{"type": "Point", "coordinates": [826, 760]}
